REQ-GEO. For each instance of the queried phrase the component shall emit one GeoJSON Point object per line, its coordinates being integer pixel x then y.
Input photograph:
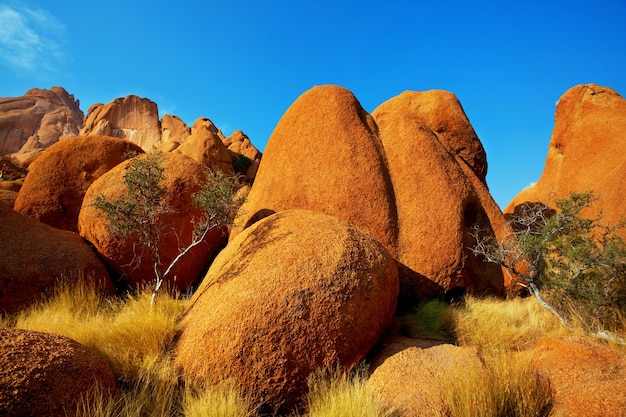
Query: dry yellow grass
{"type": "Point", "coordinates": [505, 387]}
{"type": "Point", "coordinates": [336, 393]}
{"type": "Point", "coordinates": [225, 401]}
{"type": "Point", "coordinates": [495, 325]}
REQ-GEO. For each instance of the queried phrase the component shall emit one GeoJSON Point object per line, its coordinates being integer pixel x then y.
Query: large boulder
{"type": "Point", "coordinates": [441, 112]}
{"type": "Point", "coordinates": [412, 381]}
{"type": "Point", "coordinates": [325, 155]}
{"type": "Point", "coordinates": [438, 196]}
{"type": "Point", "coordinates": [132, 118]}
{"type": "Point", "coordinates": [125, 254]}
{"type": "Point", "coordinates": [588, 379]}
{"type": "Point", "coordinates": [39, 118]}
{"type": "Point", "coordinates": [43, 374]}
{"type": "Point", "coordinates": [294, 292]}
{"type": "Point", "coordinates": [173, 129]}
{"type": "Point", "coordinates": [34, 256]}
{"type": "Point", "coordinates": [586, 152]}
{"type": "Point", "coordinates": [54, 189]}
{"type": "Point", "coordinates": [205, 146]}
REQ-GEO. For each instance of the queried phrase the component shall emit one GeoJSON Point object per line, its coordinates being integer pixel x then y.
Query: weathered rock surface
{"type": "Point", "coordinates": [182, 178]}
{"type": "Point", "coordinates": [441, 112]}
{"type": "Point", "coordinates": [39, 118]}
{"type": "Point", "coordinates": [205, 146]}
{"type": "Point", "coordinates": [33, 256]}
{"type": "Point", "coordinates": [586, 152]}
{"type": "Point", "coordinates": [8, 197]}
{"type": "Point", "coordinates": [54, 189]}
{"type": "Point", "coordinates": [43, 374]}
{"type": "Point", "coordinates": [173, 129]}
{"type": "Point", "coordinates": [588, 379]}
{"type": "Point", "coordinates": [246, 158]}
{"type": "Point", "coordinates": [325, 155]}
{"type": "Point", "coordinates": [294, 292]}
{"type": "Point", "coordinates": [412, 381]}
{"type": "Point", "coordinates": [132, 118]}
{"type": "Point", "coordinates": [439, 198]}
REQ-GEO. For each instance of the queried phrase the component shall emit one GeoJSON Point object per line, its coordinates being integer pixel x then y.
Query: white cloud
{"type": "Point", "coordinates": [31, 40]}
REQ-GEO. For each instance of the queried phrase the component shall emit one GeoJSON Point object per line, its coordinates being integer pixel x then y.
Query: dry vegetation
{"type": "Point", "coordinates": [135, 339]}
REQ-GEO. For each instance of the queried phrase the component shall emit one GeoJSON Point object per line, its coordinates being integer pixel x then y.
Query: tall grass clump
{"type": "Point", "coordinates": [337, 393]}
{"type": "Point", "coordinates": [222, 401]}
{"type": "Point", "coordinates": [430, 320]}
{"type": "Point", "coordinates": [494, 325]}
{"type": "Point", "coordinates": [505, 387]}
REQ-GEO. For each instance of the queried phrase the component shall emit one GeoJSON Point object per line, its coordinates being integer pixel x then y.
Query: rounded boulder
{"type": "Point", "coordinates": [294, 292]}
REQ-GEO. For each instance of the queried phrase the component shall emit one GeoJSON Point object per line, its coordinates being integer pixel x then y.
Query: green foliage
{"type": "Point", "coordinates": [431, 320]}
{"type": "Point", "coordinates": [241, 163]}
{"type": "Point", "coordinates": [139, 211]}
{"type": "Point", "coordinates": [577, 262]}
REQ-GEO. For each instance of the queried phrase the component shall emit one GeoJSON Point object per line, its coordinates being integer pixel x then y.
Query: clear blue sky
{"type": "Point", "coordinates": [242, 63]}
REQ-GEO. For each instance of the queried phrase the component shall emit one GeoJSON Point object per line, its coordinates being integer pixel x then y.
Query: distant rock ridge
{"type": "Point", "coordinates": [36, 120]}
{"type": "Point", "coordinates": [32, 123]}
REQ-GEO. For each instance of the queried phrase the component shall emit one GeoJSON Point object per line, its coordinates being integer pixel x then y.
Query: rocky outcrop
{"type": "Point", "coordinates": [588, 379]}
{"type": "Point", "coordinates": [205, 146]}
{"type": "Point", "coordinates": [54, 189]}
{"type": "Point", "coordinates": [173, 129]}
{"type": "Point", "coordinates": [43, 374]}
{"type": "Point", "coordinates": [586, 152]}
{"type": "Point", "coordinates": [292, 293]}
{"type": "Point", "coordinates": [34, 256]}
{"type": "Point", "coordinates": [325, 155]}
{"type": "Point", "coordinates": [438, 195]}
{"type": "Point", "coordinates": [246, 158]}
{"type": "Point", "coordinates": [39, 118]}
{"type": "Point", "coordinates": [132, 118]}
{"type": "Point", "coordinates": [441, 112]}
{"type": "Point", "coordinates": [133, 263]}
{"type": "Point", "coordinates": [412, 381]}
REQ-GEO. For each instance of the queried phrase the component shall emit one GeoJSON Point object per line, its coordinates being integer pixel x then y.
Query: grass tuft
{"type": "Point", "coordinates": [223, 401]}
{"type": "Point", "coordinates": [337, 393]}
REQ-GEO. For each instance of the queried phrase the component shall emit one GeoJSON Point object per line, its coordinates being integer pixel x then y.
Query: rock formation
{"type": "Point", "coordinates": [292, 293]}
{"type": "Point", "coordinates": [588, 379]}
{"type": "Point", "coordinates": [33, 256]}
{"type": "Point", "coordinates": [412, 381]}
{"type": "Point", "coordinates": [173, 129]}
{"type": "Point", "coordinates": [325, 155]}
{"type": "Point", "coordinates": [44, 374]}
{"type": "Point", "coordinates": [182, 178]}
{"type": "Point", "coordinates": [438, 195]}
{"type": "Point", "coordinates": [586, 152]}
{"type": "Point", "coordinates": [246, 158]}
{"type": "Point", "coordinates": [39, 118]}
{"type": "Point", "coordinates": [132, 118]}
{"type": "Point", "coordinates": [54, 189]}
{"type": "Point", "coordinates": [205, 146]}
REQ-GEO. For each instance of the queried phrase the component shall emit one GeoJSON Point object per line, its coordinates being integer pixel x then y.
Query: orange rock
{"type": "Point", "coordinates": [205, 146]}
{"type": "Point", "coordinates": [173, 129]}
{"type": "Point", "coordinates": [325, 155]}
{"type": "Point", "coordinates": [439, 200]}
{"type": "Point", "coordinates": [588, 379]}
{"type": "Point", "coordinates": [44, 374]}
{"type": "Point", "coordinates": [242, 150]}
{"type": "Point", "coordinates": [132, 118]}
{"type": "Point", "coordinates": [33, 256]}
{"type": "Point", "coordinates": [294, 292]}
{"type": "Point", "coordinates": [441, 112]}
{"type": "Point", "coordinates": [586, 152]}
{"type": "Point", "coordinates": [412, 381]}
{"type": "Point", "coordinates": [182, 178]}
{"type": "Point", "coordinates": [37, 120]}
{"type": "Point", "coordinates": [54, 189]}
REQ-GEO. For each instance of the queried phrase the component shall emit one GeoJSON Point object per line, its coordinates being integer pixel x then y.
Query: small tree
{"type": "Point", "coordinates": [139, 211]}
{"type": "Point", "coordinates": [575, 266]}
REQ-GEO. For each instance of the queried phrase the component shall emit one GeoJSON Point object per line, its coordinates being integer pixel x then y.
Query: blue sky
{"type": "Point", "coordinates": [242, 63]}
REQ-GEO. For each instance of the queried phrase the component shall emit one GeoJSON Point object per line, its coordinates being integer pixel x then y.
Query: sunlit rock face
{"type": "Point", "coordinates": [36, 120]}
{"type": "Point", "coordinates": [132, 118]}
{"type": "Point", "coordinates": [587, 152]}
